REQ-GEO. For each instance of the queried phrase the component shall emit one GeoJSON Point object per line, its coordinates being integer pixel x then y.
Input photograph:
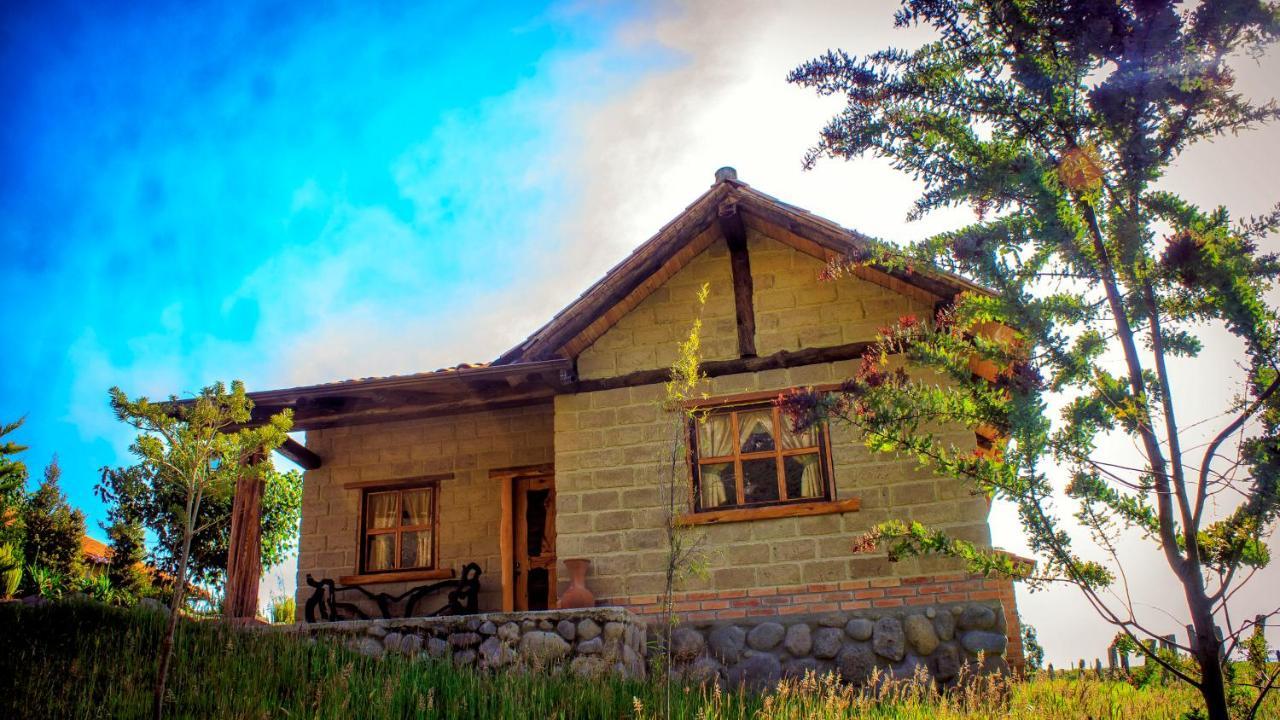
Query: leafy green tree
{"type": "Point", "coordinates": [1054, 122]}
{"type": "Point", "coordinates": [139, 495]}
{"type": "Point", "coordinates": [193, 452]}
{"type": "Point", "coordinates": [53, 529]}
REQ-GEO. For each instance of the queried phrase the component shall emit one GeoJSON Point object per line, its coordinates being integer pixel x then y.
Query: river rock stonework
{"type": "Point", "coordinates": [890, 643]}
{"type": "Point", "coordinates": [587, 641]}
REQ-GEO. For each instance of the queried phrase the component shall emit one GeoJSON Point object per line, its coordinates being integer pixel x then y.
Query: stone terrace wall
{"type": "Point", "coordinates": [588, 642]}
{"type": "Point", "coordinates": [936, 639]}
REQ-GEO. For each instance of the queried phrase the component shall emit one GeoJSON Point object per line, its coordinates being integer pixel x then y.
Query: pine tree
{"type": "Point", "coordinates": [54, 530]}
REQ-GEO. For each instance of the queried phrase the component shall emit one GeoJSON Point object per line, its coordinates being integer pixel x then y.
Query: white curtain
{"type": "Point", "coordinates": [714, 436]}
{"type": "Point", "coordinates": [713, 477]}
{"type": "Point", "coordinates": [810, 475]}
{"type": "Point", "coordinates": [415, 549]}
{"type": "Point", "coordinates": [382, 510]}
{"type": "Point", "coordinates": [417, 508]}
{"type": "Point", "coordinates": [380, 550]}
{"type": "Point", "coordinates": [755, 431]}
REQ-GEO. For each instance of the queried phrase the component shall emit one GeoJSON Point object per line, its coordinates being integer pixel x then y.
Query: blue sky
{"type": "Point", "coordinates": [295, 193]}
{"type": "Point", "coordinates": [186, 194]}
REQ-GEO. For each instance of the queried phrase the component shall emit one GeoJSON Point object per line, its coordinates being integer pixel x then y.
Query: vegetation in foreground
{"type": "Point", "coordinates": [86, 660]}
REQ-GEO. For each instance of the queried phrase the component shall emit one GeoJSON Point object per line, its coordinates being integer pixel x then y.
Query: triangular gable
{"type": "Point", "coordinates": [621, 289]}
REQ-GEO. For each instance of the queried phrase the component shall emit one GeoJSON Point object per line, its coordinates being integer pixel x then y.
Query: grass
{"type": "Point", "coordinates": [90, 661]}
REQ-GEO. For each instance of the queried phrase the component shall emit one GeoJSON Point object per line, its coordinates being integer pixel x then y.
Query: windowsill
{"type": "Point", "coordinates": [392, 577]}
{"type": "Point", "coordinates": [824, 507]}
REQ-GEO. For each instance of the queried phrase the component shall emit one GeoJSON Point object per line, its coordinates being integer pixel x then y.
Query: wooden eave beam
{"type": "Point", "coordinates": [716, 368]}
{"type": "Point", "coordinates": [735, 235]}
{"type": "Point", "coordinates": [300, 454]}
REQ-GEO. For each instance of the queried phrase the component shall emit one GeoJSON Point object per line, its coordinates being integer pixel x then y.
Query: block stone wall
{"type": "Point", "coordinates": [469, 446]}
{"type": "Point", "coordinates": [611, 451]}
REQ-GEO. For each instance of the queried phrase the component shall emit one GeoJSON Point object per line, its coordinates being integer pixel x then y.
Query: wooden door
{"type": "Point", "coordinates": [534, 511]}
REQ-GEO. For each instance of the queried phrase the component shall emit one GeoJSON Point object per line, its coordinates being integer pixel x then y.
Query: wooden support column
{"type": "Point", "coordinates": [244, 552]}
{"type": "Point", "coordinates": [735, 234]}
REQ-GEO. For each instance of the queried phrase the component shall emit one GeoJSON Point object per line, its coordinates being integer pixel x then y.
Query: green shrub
{"type": "Point", "coordinates": [47, 582]}
{"type": "Point", "coordinates": [10, 570]}
{"type": "Point", "coordinates": [283, 610]}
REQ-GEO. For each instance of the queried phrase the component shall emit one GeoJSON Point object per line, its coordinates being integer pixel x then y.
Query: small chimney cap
{"type": "Point", "coordinates": [726, 173]}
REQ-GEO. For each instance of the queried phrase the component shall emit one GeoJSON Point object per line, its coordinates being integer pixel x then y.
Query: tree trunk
{"type": "Point", "coordinates": [166, 645]}
{"type": "Point", "coordinates": [244, 552]}
{"type": "Point", "coordinates": [1207, 650]}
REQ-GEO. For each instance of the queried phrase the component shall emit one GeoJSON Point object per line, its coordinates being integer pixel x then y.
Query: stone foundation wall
{"type": "Point", "coordinates": [817, 599]}
{"type": "Point", "coordinates": [898, 642]}
{"type": "Point", "coordinates": [587, 642]}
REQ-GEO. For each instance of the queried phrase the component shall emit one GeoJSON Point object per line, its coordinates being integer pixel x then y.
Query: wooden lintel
{"type": "Point", "coordinates": [735, 235]}
{"type": "Point", "coordinates": [396, 482]}
{"type": "Point", "coordinates": [715, 368]}
{"type": "Point", "coordinates": [300, 454]}
{"type": "Point", "coordinates": [523, 470]}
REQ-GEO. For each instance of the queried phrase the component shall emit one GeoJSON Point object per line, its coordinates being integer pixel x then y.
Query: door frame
{"type": "Point", "coordinates": [507, 526]}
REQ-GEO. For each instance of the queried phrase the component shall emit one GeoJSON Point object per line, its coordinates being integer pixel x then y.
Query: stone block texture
{"type": "Point", "coordinates": [612, 455]}
{"type": "Point", "coordinates": [898, 643]}
{"type": "Point", "coordinates": [588, 642]}
{"type": "Point", "coordinates": [468, 445]}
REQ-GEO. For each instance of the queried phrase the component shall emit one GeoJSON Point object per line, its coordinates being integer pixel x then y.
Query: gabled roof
{"type": "Point", "coordinates": [541, 366]}
{"type": "Point", "coordinates": [691, 232]}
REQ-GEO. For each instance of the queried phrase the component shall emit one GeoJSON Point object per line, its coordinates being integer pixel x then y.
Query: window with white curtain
{"type": "Point", "coordinates": [746, 455]}
{"type": "Point", "coordinates": [399, 529]}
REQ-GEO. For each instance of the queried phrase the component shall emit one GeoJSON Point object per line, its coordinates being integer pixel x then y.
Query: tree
{"type": "Point", "coordinates": [126, 571]}
{"type": "Point", "coordinates": [13, 487]}
{"type": "Point", "coordinates": [139, 495]}
{"type": "Point", "coordinates": [1054, 122]}
{"type": "Point", "coordinates": [54, 530]}
{"type": "Point", "coordinates": [198, 450]}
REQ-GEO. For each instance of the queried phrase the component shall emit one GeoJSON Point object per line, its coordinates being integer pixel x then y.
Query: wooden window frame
{"type": "Point", "coordinates": [803, 505]}
{"type": "Point", "coordinates": [399, 487]}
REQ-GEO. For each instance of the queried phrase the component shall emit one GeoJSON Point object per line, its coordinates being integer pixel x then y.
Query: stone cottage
{"type": "Point", "coordinates": [556, 450]}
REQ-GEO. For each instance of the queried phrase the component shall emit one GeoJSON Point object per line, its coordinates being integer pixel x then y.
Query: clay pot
{"type": "Point", "coordinates": [577, 595]}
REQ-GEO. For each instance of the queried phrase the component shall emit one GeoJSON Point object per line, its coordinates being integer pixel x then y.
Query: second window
{"type": "Point", "coordinates": [747, 455]}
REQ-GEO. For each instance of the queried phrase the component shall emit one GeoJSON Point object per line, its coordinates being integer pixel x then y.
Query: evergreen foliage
{"type": "Point", "coordinates": [1054, 122]}
{"type": "Point", "coordinates": [53, 529]}
{"type": "Point", "coordinates": [13, 486]}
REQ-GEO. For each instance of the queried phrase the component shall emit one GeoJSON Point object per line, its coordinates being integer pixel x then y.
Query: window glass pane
{"type": "Point", "coordinates": [379, 551]}
{"type": "Point", "coordinates": [381, 510]}
{"type": "Point", "coordinates": [415, 549]}
{"type": "Point", "coordinates": [755, 431]}
{"type": "Point", "coordinates": [718, 486]}
{"type": "Point", "coordinates": [714, 435]}
{"type": "Point", "coordinates": [795, 441]}
{"type": "Point", "coordinates": [804, 476]}
{"type": "Point", "coordinates": [417, 507]}
{"type": "Point", "coordinates": [760, 480]}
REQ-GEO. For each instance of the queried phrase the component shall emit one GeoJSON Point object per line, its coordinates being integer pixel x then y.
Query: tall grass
{"type": "Point", "coordinates": [86, 660]}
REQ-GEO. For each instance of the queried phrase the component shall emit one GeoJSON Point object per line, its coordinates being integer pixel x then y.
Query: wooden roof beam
{"type": "Point", "coordinates": [300, 454]}
{"type": "Point", "coordinates": [735, 235]}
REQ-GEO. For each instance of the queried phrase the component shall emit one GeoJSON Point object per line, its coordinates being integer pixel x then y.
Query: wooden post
{"type": "Point", "coordinates": [244, 551]}
{"type": "Point", "coordinates": [1050, 671]}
